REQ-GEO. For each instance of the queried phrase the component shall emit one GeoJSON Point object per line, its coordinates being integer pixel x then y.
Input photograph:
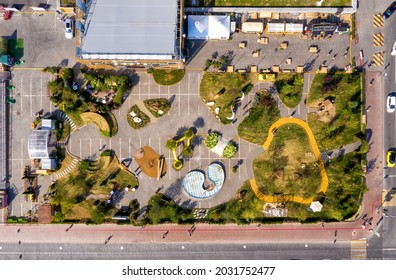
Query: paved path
{"type": "Point", "coordinates": [316, 152]}
{"type": "Point", "coordinates": [329, 155]}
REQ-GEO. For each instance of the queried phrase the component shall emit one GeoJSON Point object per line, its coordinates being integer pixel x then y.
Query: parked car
{"type": "Point", "coordinates": [391, 9]}
{"type": "Point", "coordinates": [391, 158]}
{"type": "Point", "coordinates": [69, 28]}
{"type": "Point", "coordinates": [391, 103]}
{"type": "Point", "coordinates": [394, 49]}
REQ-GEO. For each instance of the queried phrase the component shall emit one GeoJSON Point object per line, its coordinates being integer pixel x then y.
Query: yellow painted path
{"type": "Point", "coordinates": [316, 152]}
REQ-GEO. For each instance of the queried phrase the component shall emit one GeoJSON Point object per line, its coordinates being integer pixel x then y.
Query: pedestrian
{"type": "Point", "coordinates": [18, 230]}
{"type": "Point", "coordinates": [165, 234]}
{"type": "Point", "coordinates": [322, 224]}
{"type": "Point", "coordinates": [19, 242]}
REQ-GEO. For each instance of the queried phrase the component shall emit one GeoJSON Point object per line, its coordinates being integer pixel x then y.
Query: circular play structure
{"type": "Point", "coordinates": [195, 185]}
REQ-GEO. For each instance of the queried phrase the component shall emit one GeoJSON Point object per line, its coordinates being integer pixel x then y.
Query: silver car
{"type": "Point", "coordinates": [69, 28]}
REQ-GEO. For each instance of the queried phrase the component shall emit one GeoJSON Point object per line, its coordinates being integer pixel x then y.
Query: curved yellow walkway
{"type": "Point", "coordinates": [316, 152]}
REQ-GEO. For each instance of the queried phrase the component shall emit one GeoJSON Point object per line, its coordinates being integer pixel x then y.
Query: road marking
{"type": "Point", "coordinates": [129, 147]}
{"type": "Point", "coordinates": [21, 90]}
{"type": "Point", "coordinates": [120, 148]}
{"type": "Point", "coordinates": [378, 59]}
{"type": "Point", "coordinates": [378, 20]}
{"type": "Point", "coordinates": [41, 96]}
{"type": "Point", "coordinates": [149, 81]}
{"type": "Point", "coordinates": [31, 97]}
{"type": "Point", "coordinates": [139, 91]}
{"type": "Point", "coordinates": [90, 146]}
{"type": "Point", "coordinates": [378, 40]}
{"type": "Point", "coordinates": [358, 249]}
{"type": "Point", "coordinates": [179, 98]}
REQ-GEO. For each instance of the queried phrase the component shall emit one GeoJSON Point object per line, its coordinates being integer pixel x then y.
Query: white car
{"type": "Point", "coordinates": [391, 103]}
{"type": "Point", "coordinates": [69, 28]}
{"type": "Point", "coordinates": [394, 49]}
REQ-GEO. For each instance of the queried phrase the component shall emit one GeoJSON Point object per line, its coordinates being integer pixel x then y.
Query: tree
{"type": "Point", "coordinates": [211, 140]}
{"type": "Point", "coordinates": [230, 150]}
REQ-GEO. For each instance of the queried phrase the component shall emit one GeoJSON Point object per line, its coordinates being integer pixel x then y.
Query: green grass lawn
{"type": "Point", "coordinates": [71, 192]}
{"type": "Point", "coordinates": [286, 168]}
{"type": "Point", "coordinates": [290, 87]}
{"type": "Point", "coordinates": [158, 107]}
{"type": "Point", "coordinates": [254, 128]}
{"type": "Point", "coordinates": [167, 77]}
{"type": "Point", "coordinates": [223, 89]}
{"type": "Point", "coordinates": [276, 3]}
{"type": "Point", "coordinates": [145, 120]}
{"type": "Point", "coordinates": [345, 90]}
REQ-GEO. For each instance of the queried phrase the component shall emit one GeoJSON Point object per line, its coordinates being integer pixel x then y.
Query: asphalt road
{"type": "Point", "coordinates": [181, 251]}
{"type": "Point", "coordinates": [384, 246]}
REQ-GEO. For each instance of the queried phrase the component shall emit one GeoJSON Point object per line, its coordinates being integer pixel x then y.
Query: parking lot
{"type": "Point", "coordinates": [187, 111]}
{"type": "Point", "coordinates": [31, 96]}
{"type": "Point", "coordinates": [331, 52]}
{"type": "Point", "coordinates": [44, 39]}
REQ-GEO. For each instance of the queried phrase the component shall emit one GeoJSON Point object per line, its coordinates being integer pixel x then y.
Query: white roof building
{"type": "Point", "coordinates": [125, 29]}
{"type": "Point", "coordinates": [209, 27]}
{"type": "Point", "coordinates": [41, 144]}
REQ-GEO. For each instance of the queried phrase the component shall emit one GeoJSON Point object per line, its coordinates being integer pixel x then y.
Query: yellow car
{"type": "Point", "coordinates": [391, 158]}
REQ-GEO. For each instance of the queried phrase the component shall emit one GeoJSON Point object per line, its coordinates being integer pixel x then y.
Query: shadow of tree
{"type": "Point", "coordinates": [189, 204]}
{"type": "Point", "coordinates": [174, 189]}
{"type": "Point", "coordinates": [199, 122]}
{"type": "Point", "coordinates": [371, 165]}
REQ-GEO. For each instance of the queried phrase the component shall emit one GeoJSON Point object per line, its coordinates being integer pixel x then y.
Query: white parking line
{"type": "Point", "coordinates": [21, 87]}
{"type": "Point", "coordinates": [179, 99]}
{"type": "Point", "coordinates": [149, 142]}
{"type": "Point", "coordinates": [129, 147]}
{"type": "Point", "coordinates": [149, 87]}
{"type": "Point", "coordinates": [169, 167]}
{"type": "Point", "coordinates": [140, 142]}
{"type": "Point", "coordinates": [31, 97]}
{"type": "Point", "coordinates": [139, 91]}
{"type": "Point", "coordinates": [41, 96]}
{"type": "Point", "coordinates": [120, 148]}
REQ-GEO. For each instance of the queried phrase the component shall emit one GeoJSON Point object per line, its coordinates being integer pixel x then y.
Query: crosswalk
{"type": "Point", "coordinates": [66, 171]}
{"type": "Point", "coordinates": [378, 59]}
{"type": "Point", "coordinates": [358, 249]}
{"type": "Point", "coordinates": [378, 20]}
{"type": "Point", "coordinates": [62, 116]}
{"type": "Point", "coordinates": [378, 40]}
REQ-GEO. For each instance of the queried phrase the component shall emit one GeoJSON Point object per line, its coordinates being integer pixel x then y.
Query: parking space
{"type": "Point", "coordinates": [31, 96]}
{"type": "Point", "coordinates": [44, 39]}
{"type": "Point", "coordinates": [332, 53]}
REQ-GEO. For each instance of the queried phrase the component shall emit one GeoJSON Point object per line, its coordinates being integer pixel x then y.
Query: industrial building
{"type": "Point", "coordinates": [139, 30]}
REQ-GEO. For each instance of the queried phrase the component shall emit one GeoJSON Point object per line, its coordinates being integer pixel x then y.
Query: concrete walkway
{"type": "Point", "coordinates": [329, 155]}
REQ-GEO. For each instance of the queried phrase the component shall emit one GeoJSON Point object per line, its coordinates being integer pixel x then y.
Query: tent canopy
{"type": "Point", "coordinates": [316, 206]}
{"type": "Point", "coordinates": [209, 27]}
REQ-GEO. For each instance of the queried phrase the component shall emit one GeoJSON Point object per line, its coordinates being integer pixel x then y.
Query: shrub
{"type": "Point", "coordinates": [211, 140]}
{"type": "Point", "coordinates": [84, 165]}
{"type": "Point", "coordinates": [171, 144]}
{"type": "Point", "coordinates": [187, 151]}
{"type": "Point", "coordinates": [230, 150]}
{"type": "Point", "coordinates": [106, 153]}
{"type": "Point", "coordinates": [145, 120]}
{"type": "Point", "coordinates": [106, 133]}
{"type": "Point", "coordinates": [154, 106]}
